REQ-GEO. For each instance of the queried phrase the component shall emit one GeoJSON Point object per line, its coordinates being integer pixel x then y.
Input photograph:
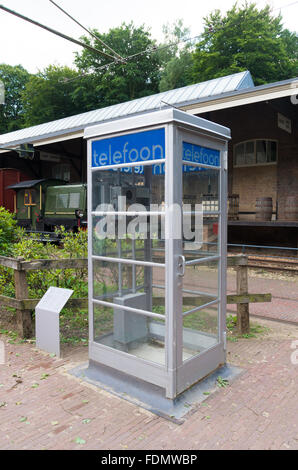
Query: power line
{"type": "Point", "coordinates": [157, 49]}
{"type": "Point", "coordinates": [115, 60]}
{"type": "Point", "coordinates": [62, 35]}
{"type": "Point", "coordinates": [151, 50]}
{"type": "Point", "coordinates": [285, 6]}
{"type": "Point", "coordinates": [88, 31]}
{"type": "Point", "coordinates": [133, 56]}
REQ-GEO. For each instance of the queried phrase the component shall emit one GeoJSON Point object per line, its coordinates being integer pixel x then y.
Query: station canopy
{"type": "Point", "coordinates": [73, 126]}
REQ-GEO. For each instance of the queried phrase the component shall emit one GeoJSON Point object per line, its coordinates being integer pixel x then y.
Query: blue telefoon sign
{"type": "Point", "coordinates": [198, 154]}
{"type": "Point", "coordinates": [148, 146]}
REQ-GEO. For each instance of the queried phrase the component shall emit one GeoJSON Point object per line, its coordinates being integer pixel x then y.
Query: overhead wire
{"type": "Point", "coordinates": [57, 33]}
{"type": "Point", "coordinates": [166, 46]}
{"type": "Point", "coordinates": [145, 51]}
{"type": "Point", "coordinates": [114, 60]}
{"type": "Point", "coordinates": [118, 56]}
{"type": "Point", "coordinates": [285, 6]}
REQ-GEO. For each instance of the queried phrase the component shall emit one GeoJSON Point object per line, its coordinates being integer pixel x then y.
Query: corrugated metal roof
{"type": "Point", "coordinates": [178, 97]}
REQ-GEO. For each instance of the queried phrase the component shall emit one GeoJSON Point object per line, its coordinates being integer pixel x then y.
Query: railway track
{"type": "Point", "coordinates": [272, 263]}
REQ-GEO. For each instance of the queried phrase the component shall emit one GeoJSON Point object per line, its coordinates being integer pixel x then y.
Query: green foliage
{"type": "Point", "coordinates": [222, 382]}
{"type": "Point", "coordinates": [176, 61]}
{"type": "Point", "coordinates": [28, 247]}
{"type": "Point", "coordinates": [121, 82]}
{"type": "Point", "coordinates": [246, 39]}
{"type": "Point", "coordinates": [56, 93]}
{"type": "Point", "coordinates": [177, 72]}
{"type": "Point", "coordinates": [11, 112]}
{"type": "Point", "coordinates": [9, 232]}
{"type": "Point", "coordinates": [231, 322]}
{"type": "Point", "coordinates": [254, 330]}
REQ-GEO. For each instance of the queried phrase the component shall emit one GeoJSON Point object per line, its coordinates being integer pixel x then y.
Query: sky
{"type": "Point", "coordinates": [28, 45]}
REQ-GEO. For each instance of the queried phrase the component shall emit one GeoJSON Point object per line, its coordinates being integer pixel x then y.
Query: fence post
{"type": "Point", "coordinates": [242, 288]}
{"type": "Point", "coordinates": [23, 317]}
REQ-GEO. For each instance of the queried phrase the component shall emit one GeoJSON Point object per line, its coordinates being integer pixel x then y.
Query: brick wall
{"type": "Point", "coordinates": [252, 182]}
{"type": "Point", "coordinates": [259, 121]}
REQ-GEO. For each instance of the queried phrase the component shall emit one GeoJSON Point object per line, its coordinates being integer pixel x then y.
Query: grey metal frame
{"type": "Point", "coordinates": [177, 375]}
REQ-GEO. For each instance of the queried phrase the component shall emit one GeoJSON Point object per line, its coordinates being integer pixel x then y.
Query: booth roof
{"type": "Point", "coordinates": [179, 97]}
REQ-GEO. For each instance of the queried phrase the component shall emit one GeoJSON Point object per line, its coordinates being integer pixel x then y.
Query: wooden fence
{"type": "Point", "coordinates": [24, 306]}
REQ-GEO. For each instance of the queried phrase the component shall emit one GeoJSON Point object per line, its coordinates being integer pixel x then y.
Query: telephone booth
{"type": "Point", "coordinates": [157, 211]}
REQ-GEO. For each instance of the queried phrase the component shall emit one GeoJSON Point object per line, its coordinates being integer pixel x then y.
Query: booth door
{"type": "Point", "coordinates": [202, 319]}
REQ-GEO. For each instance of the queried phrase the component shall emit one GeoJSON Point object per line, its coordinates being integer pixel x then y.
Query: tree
{"type": "Point", "coordinates": [55, 93]}
{"type": "Point", "coordinates": [14, 79]}
{"type": "Point", "coordinates": [176, 60]}
{"type": "Point", "coordinates": [246, 39]}
{"type": "Point", "coordinates": [118, 82]}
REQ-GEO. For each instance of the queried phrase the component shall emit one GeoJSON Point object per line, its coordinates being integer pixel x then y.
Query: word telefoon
{"type": "Point", "coordinates": [147, 146]}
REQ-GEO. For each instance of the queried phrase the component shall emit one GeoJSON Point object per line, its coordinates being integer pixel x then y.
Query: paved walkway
{"type": "Point", "coordinates": [43, 407]}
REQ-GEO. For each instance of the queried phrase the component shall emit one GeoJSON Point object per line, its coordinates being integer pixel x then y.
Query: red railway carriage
{"type": "Point", "coordinates": [8, 177]}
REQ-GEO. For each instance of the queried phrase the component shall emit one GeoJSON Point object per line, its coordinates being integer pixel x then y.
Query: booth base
{"type": "Point", "coordinates": [152, 397]}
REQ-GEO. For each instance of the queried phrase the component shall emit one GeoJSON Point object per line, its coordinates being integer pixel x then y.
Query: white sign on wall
{"type": "Point", "coordinates": [284, 123]}
{"type": "Point", "coordinates": [49, 157]}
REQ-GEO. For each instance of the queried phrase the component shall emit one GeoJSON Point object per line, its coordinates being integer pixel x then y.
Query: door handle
{"type": "Point", "coordinates": [181, 265]}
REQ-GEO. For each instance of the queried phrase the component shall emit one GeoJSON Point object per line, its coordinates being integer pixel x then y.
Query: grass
{"type": "Point", "coordinates": [254, 330]}
{"type": "Point", "coordinates": [74, 325]}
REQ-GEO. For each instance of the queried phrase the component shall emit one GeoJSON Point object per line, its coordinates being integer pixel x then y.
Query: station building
{"type": "Point", "coordinates": [263, 151]}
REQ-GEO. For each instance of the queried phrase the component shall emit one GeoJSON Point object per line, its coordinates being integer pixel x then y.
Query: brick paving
{"type": "Point", "coordinates": [259, 410]}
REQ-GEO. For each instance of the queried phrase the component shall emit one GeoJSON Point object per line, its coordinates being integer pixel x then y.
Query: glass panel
{"type": "Point", "coordinates": [115, 282]}
{"type": "Point", "coordinates": [74, 200]}
{"type": "Point", "coordinates": [239, 158]}
{"type": "Point", "coordinates": [33, 196]}
{"type": "Point", "coordinates": [261, 151]}
{"type": "Point", "coordinates": [123, 187]}
{"type": "Point", "coordinates": [272, 151]}
{"type": "Point", "coordinates": [250, 153]}
{"type": "Point", "coordinates": [62, 201]}
{"type": "Point", "coordinates": [200, 199]}
{"type": "Point", "coordinates": [200, 331]}
{"type": "Point", "coordinates": [26, 198]}
{"type": "Point", "coordinates": [61, 172]}
{"type": "Point", "coordinates": [207, 243]}
{"type": "Point", "coordinates": [200, 239]}
{"type": "Point", "coordinates": [200, 186]}
{"type": "Point", "coordinates": [129, 332]}
{"type": "Point", "coordinates": [200, 284]}
{"type": "Point", "coordinates": [30, 197]}
{"type": "Point", "coordinates": [136, 248]}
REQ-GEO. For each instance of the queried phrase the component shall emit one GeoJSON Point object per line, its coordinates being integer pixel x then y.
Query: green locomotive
{"type": "Point", "coordinates": [41, 205]}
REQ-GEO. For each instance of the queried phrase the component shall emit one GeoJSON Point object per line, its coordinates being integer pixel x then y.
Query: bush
{"type": "Point", "coordinates": [27, 246]}
{"type": "Point", "coordinates": [9, 232]}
